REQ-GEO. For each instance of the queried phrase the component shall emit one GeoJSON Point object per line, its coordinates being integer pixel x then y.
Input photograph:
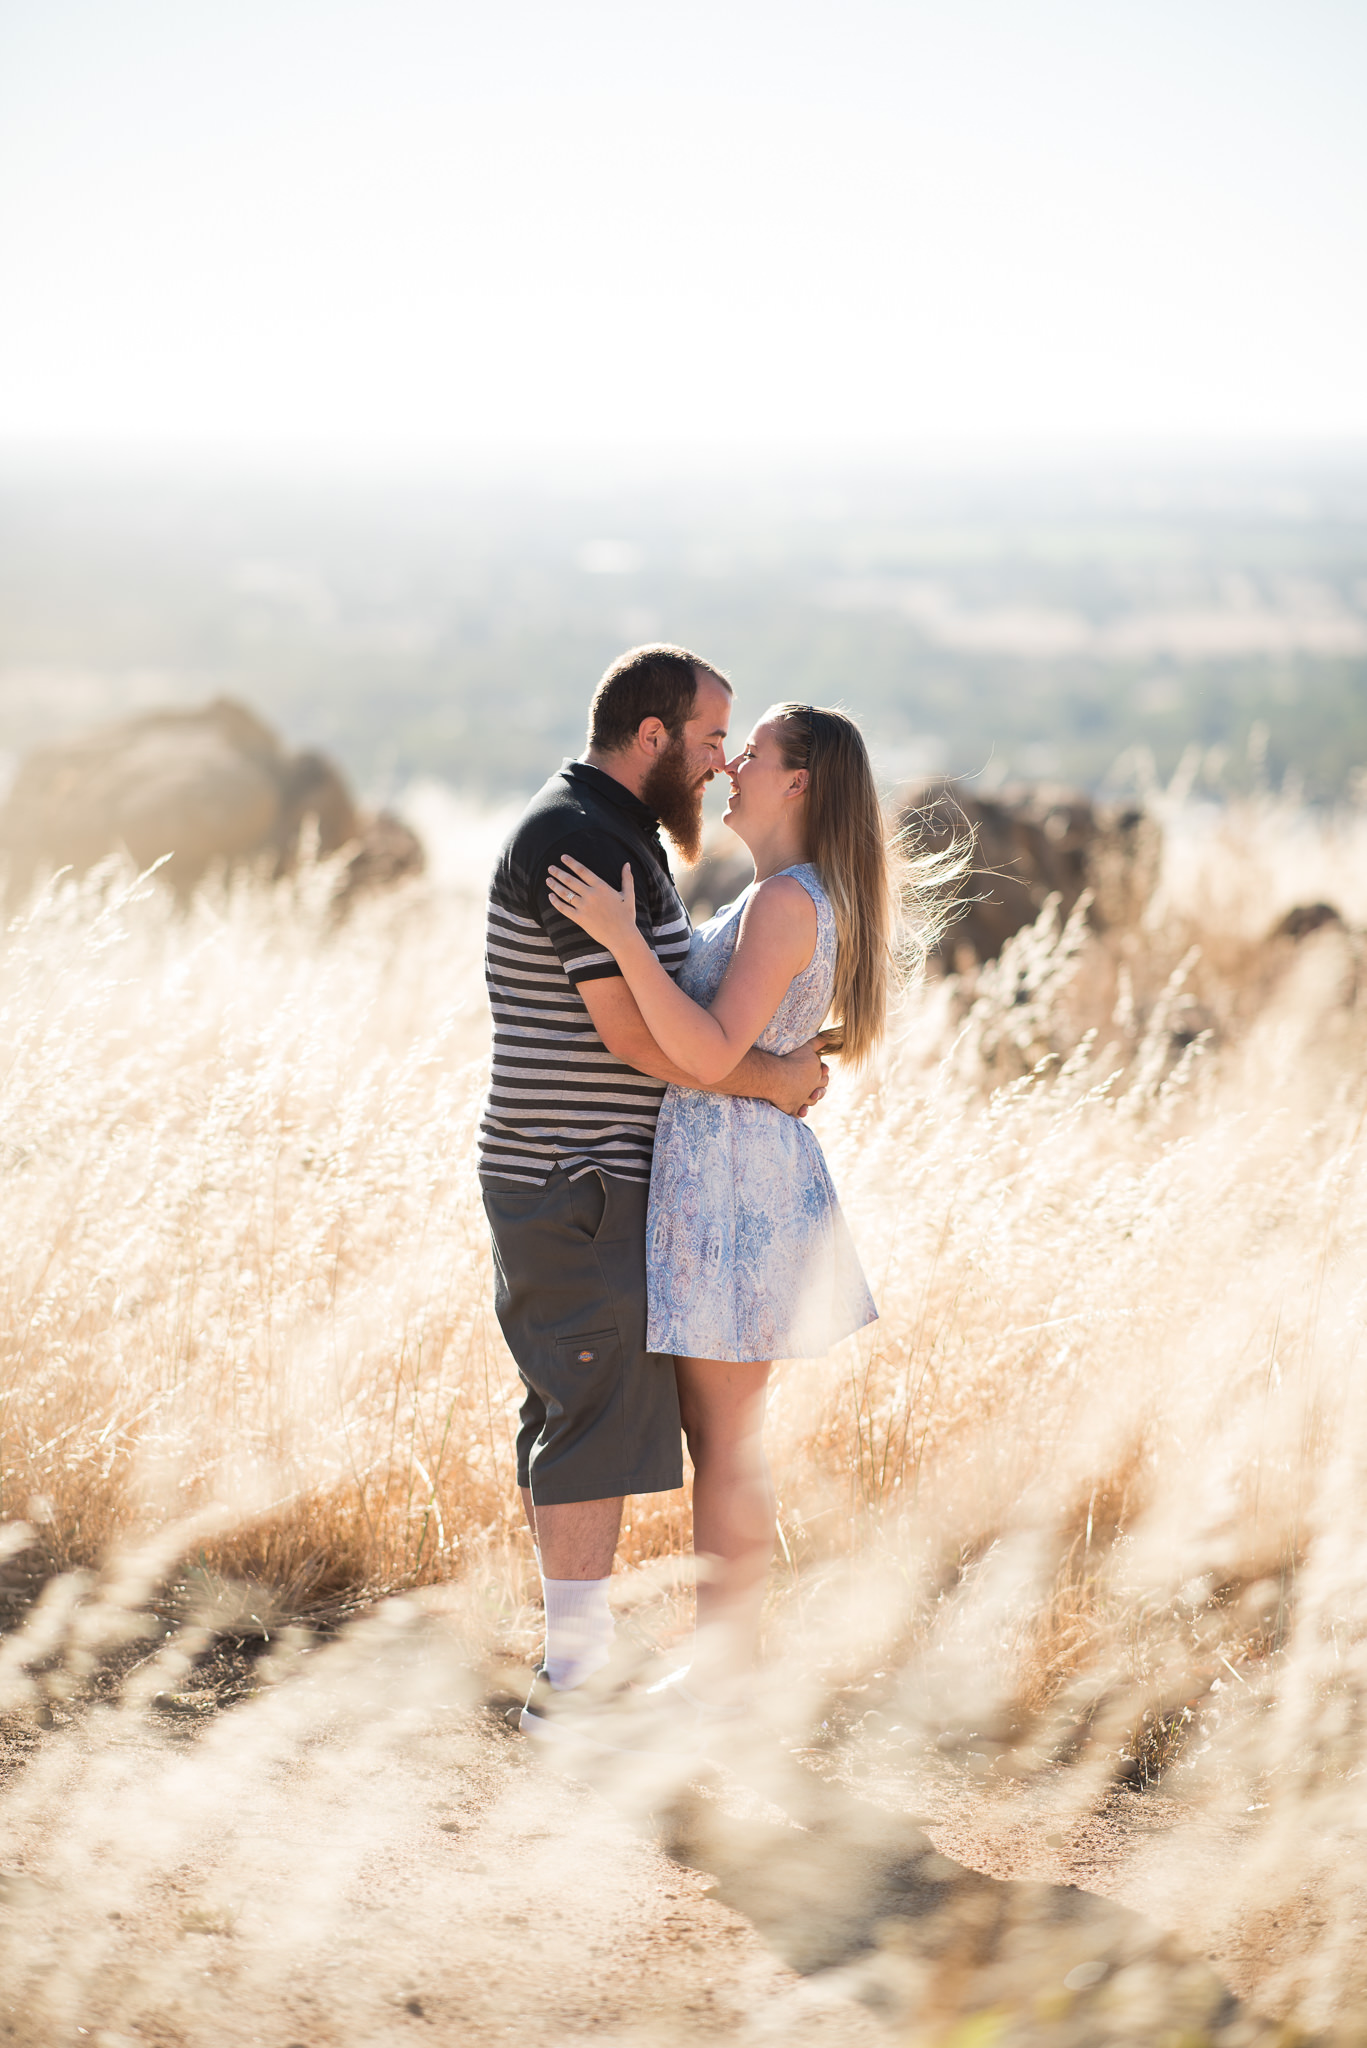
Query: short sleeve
{"type": "Point", "coordinates": [582, 958]}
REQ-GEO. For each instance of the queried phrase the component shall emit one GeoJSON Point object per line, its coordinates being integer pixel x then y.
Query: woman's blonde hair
{"type": "Point", "coordinates": [871, 877]}
{"type": "Point", "coordinates": [846, 844]}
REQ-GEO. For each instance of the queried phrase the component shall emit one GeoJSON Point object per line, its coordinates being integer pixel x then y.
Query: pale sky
{"type": "Point", "coordinates": [413, 225]}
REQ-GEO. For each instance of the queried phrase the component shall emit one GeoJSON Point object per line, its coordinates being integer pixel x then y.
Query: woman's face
{"type": "Point", "coordinates": [761, 787]}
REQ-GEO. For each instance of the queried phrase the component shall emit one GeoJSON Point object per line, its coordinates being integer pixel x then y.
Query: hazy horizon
{"type": "Point", "coordinates": [1088, 621]}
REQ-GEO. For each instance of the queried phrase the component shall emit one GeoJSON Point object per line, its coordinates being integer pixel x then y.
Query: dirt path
{"type": "Point", "coordinates": [360, 1854]}
{"type": "Point", "coordinates": [363, 1853]}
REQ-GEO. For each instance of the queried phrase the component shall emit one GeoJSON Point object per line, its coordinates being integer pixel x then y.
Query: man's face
{"type": "Point", "coordinates": [674, 787]}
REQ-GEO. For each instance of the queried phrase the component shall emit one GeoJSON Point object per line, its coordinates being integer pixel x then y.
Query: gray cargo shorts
{"type": "Point", "coordinates": [601, 1414]}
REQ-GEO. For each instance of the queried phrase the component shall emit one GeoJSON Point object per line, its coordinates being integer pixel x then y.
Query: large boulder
{"type": "Point", "coordinates": [1031, 842]}
{"type": "Point", "coordinates": [212, 787]}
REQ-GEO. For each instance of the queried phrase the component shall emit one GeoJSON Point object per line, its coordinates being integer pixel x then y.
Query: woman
{"type": "Point", "coordinates": [749, 1256]}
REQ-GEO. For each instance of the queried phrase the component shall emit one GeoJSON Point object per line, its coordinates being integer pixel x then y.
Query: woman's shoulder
{"type": "Point", "coordinates": [803, 874]}
{"type": "Point", "coordinates": [803, 885]}
{"type": "Point", "coordinates": [785, 893]}
{"type": "Point", "coordinates": [780, 908]}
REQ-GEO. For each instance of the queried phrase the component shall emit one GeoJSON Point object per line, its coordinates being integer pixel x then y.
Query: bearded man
{"type": "Point", "coordinates": [565, 1141]}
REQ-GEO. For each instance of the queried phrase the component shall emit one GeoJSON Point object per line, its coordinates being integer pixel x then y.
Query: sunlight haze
{"type": "Point", "coordinates": [417, 227]}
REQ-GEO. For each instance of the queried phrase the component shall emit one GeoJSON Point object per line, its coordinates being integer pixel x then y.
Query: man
{"type": "Point", "coordinates": [566, 1137]}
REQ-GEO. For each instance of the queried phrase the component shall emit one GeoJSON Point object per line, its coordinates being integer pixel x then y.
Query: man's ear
{"type": "Point", "coordinates": [652, 734]}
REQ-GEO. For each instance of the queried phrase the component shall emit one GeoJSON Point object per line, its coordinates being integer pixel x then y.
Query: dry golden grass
{"type": "Point", "coordinates": [1087, 1503]}
{"type": "Point", "coordinates": [246, 1264]}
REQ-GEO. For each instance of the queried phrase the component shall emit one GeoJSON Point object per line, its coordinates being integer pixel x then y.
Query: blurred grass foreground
{"type": "Point", "coordinates": [1074, 1539]}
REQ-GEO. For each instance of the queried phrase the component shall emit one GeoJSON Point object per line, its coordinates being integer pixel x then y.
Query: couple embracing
{"type": "Point", "coordinates": [664, 1225]}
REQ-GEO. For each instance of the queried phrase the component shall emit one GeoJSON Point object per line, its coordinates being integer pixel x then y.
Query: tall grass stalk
{"type": "Point", "coordinates": [1085, 1505]}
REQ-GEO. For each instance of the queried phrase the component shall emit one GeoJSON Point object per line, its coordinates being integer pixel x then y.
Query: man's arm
{"type": "Point", "coordinates": [791, 1081]}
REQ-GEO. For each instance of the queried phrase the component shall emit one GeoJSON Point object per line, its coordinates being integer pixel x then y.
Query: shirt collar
{"type": "Point", "coordinates": [615, 792]}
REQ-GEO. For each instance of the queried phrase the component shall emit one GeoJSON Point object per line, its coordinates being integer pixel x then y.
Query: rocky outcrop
{"type": "Point", "coordinates": [1031, 842]}
{"type": "Point", "coordinates": [205, 789]}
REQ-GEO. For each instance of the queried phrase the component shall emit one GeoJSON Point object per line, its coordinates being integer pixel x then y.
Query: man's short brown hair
{"type": "Point", "coordinates": [647, 682]}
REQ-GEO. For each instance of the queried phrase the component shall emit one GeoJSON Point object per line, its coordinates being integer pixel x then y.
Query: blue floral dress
{"type": "Point", "coordinates": [748, 1255]}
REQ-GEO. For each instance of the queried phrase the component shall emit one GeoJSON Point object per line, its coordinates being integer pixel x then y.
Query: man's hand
{"type": "Point", "coordinates": [801, 1080]}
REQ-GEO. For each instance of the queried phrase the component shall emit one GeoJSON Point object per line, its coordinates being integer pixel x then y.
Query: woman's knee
{"type": "Point", "coordinates": [722, 1423]}
{"type": "Point", "coordinates": [734, 1459]}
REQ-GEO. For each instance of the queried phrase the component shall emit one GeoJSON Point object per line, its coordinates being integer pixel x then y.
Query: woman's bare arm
{"type": "Point", "coordinates": [776, 940]}
{"type": "Point", "coordinates": [792, 1081]}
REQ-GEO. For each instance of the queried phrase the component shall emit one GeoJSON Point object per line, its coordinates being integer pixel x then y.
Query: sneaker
{"type": "Point", "coordinates": [610, 1716]}
{"type": "Point", "coordinates": [542, 1708]}
{"type": "Point", "coordinates": [579, 1716]}
{"type": "Point", "coordinates": [674, 1697]}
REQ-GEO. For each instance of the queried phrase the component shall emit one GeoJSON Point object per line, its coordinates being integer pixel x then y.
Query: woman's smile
{"type": "Point", "coordinates": [732, 771]}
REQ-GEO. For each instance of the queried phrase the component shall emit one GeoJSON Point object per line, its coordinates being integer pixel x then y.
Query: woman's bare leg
{"type": "Point", "coordinates": [722, 1406]}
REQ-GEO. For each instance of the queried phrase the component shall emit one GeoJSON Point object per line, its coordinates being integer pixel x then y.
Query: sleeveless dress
{"type": "Point", "coordinates": [748, 1256]}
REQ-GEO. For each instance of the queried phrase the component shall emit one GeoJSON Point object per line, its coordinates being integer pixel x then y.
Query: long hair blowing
{"type": "Point", "coordinates": [887, 897]}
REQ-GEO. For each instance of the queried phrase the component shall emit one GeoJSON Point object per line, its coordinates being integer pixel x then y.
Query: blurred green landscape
{"type": "Point", "coordinates": [1103, 624]}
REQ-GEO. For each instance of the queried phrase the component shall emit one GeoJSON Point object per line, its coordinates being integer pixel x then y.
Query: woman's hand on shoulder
{"type": "Point", "coordinates": [605, 913]}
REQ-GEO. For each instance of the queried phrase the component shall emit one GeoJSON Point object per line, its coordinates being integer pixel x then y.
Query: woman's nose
{"type": "Point", "coordinates": [730, 767]}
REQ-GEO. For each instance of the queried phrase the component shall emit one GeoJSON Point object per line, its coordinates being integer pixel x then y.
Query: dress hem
{"type": "Point", "coordinates": [770, 1358]}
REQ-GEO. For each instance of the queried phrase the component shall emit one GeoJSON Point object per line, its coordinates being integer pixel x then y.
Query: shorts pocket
{"type": "Point", "coordinates": [589, 1204]}
{"type": "Point", "coordinates": [623, 1218]}
{"type": "Point", "coordinates": [594, 1351]}
{"type": "Point", "coordinates": [512, 1204]}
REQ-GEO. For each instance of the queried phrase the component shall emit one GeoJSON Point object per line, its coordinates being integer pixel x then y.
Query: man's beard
{"type": "Point", "coordinates": [674, 793]}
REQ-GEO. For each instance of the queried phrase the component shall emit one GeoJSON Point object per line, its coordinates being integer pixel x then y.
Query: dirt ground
{"type": "Point", "coordinates": [360, 1850]}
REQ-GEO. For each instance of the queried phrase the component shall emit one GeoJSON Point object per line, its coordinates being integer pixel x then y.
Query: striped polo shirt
{"type": "Point", "coordinates": [557, 1096]}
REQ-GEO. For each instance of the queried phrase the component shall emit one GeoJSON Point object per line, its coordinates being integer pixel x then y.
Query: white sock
{"type": "Point", "coordinates": [578, 1629]}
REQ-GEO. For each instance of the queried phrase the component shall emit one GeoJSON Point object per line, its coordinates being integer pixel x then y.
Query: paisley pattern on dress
{"type": "Point", "coordinates": [748, 1255]}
